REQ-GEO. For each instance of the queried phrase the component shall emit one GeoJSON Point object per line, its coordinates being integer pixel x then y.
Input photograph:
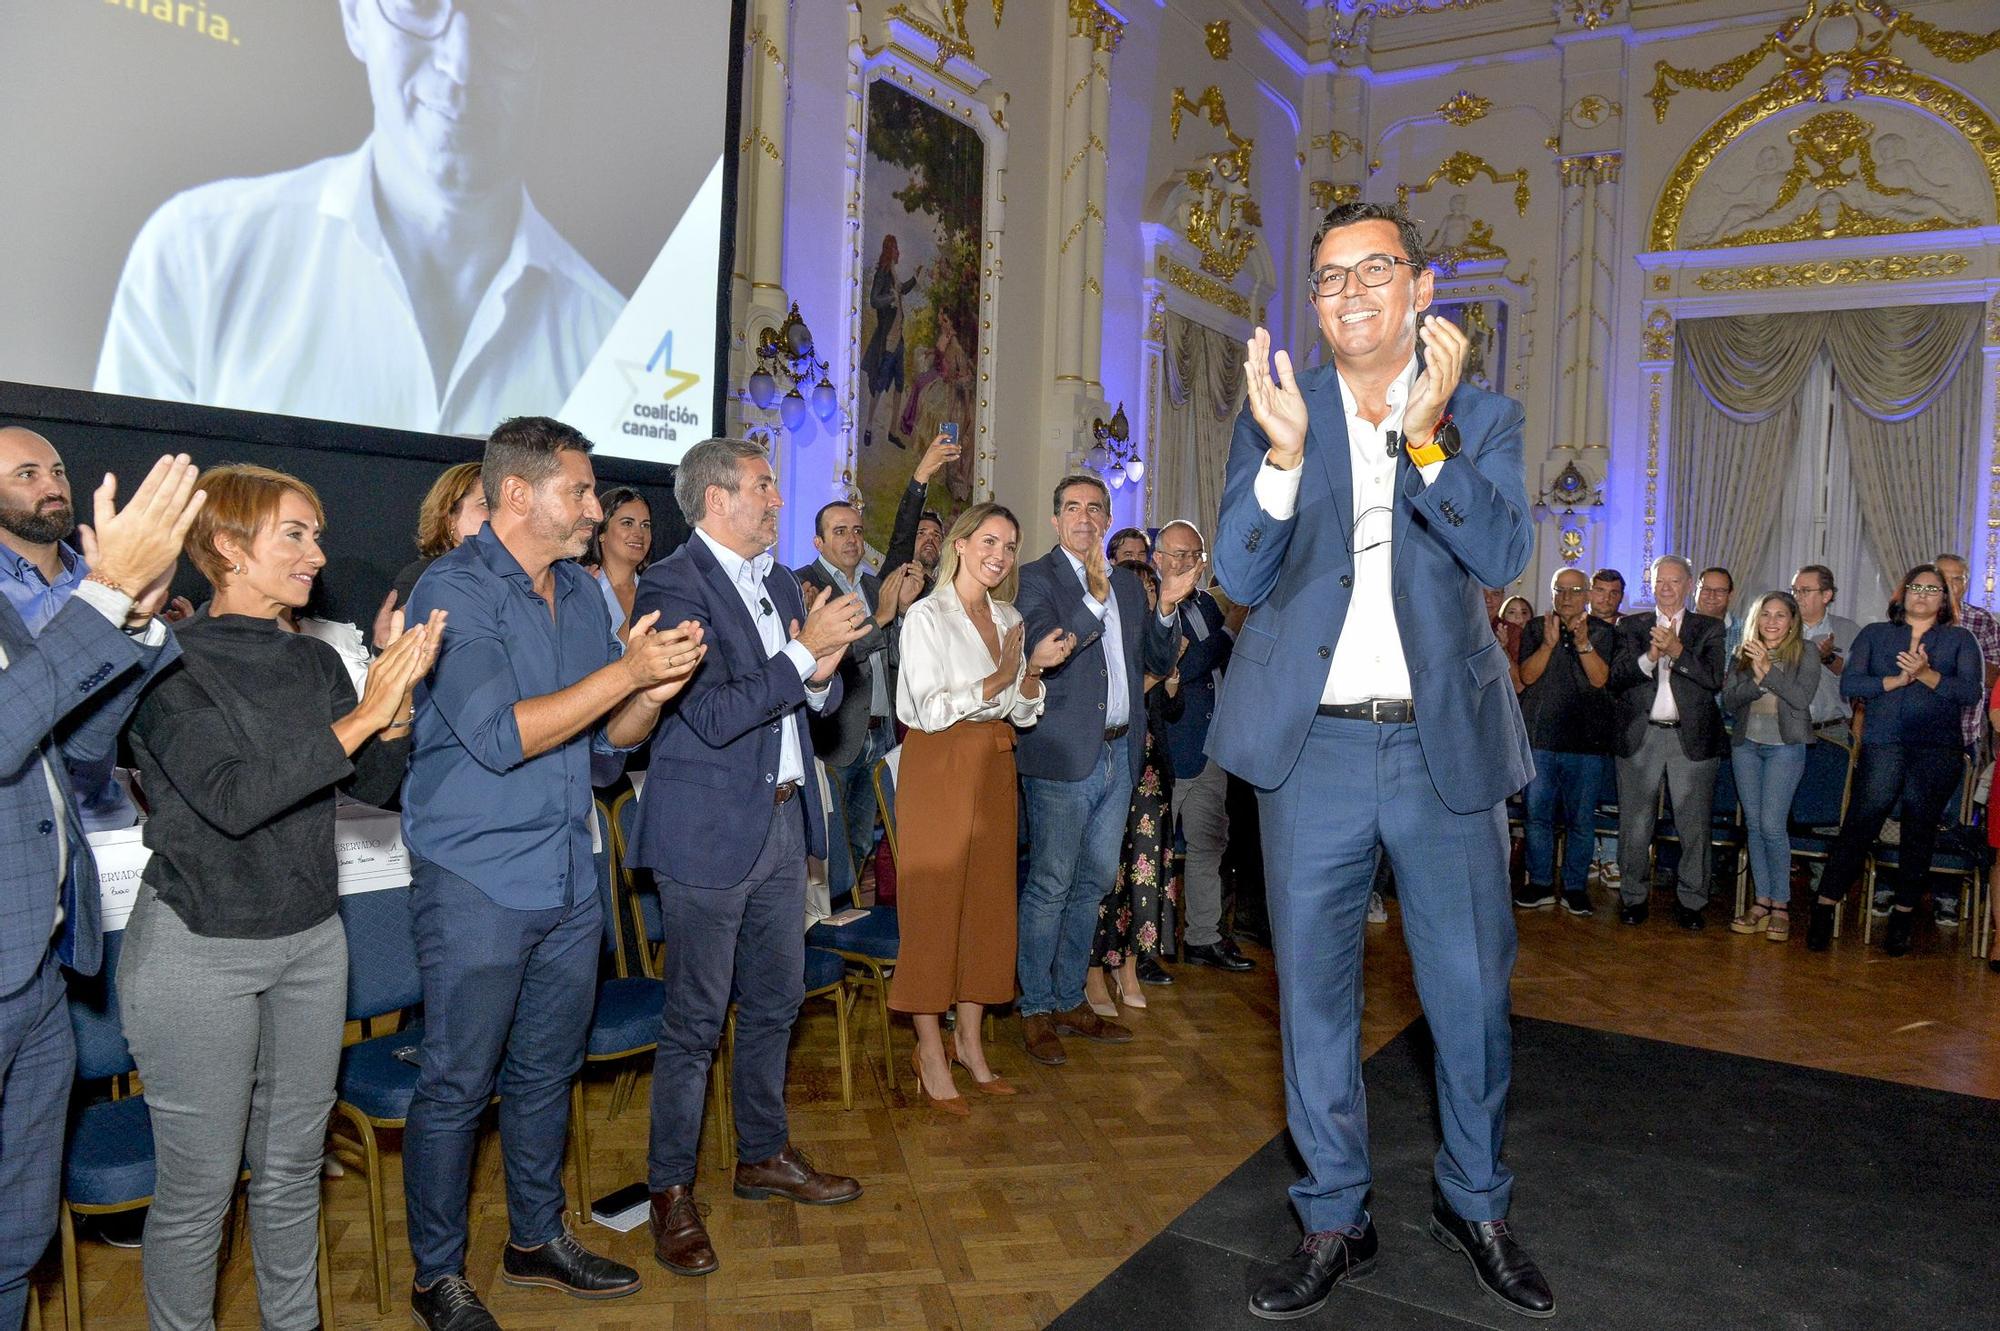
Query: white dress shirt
{"type": "Point", "coordinates": [280, 293]}
{"type": "Point", "coordinates": [946, 662]}
{"type": "Point", "coordinates": [747, 576]}
{"type": "Point", "coordinates": [1664, 706]}
{"type": "Point", "coordinates": [879, 702]}
{"type": "Point", "coordinates": [1368, 657]}
{"type": "Point", "coordinates": [1117, 684]}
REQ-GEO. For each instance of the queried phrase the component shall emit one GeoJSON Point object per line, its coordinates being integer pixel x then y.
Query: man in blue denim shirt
{"type": "Point", "coordinates": [496, 814]}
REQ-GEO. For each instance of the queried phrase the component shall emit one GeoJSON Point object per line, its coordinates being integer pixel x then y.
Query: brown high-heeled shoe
{"type": "Point", "coordinates": [954, 1104]}
{"type": "Point", "coordinates": [997, 1086]}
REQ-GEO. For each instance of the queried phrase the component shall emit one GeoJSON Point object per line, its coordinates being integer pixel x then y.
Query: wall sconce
{"type": "Point", "coordinates": [1115, 456]}
{"type": "Point", "coordinates": [787, 351]}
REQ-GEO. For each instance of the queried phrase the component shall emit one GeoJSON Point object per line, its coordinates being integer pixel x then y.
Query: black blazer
{"type": "Point", "coordinates": [840, 733]}
{"type": "Point", "coordinates": [1695, 677]}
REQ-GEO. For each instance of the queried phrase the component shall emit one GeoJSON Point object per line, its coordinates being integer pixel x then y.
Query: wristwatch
{"type": "Point", "coordinates": [1444, 444]}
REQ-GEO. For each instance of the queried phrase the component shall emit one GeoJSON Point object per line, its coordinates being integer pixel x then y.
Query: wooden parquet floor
{"type": "Point", "coordinates": [1000, 1221]}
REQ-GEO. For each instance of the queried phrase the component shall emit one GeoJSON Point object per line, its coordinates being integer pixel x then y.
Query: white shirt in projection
{"type": "Point", "coordinates": [280, 294]}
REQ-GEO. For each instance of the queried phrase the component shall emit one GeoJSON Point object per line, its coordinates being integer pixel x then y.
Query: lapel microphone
{"type": "Point", "coordinates": [1394, 439]}
{"type": "Point", "coordinates": [766, 603]}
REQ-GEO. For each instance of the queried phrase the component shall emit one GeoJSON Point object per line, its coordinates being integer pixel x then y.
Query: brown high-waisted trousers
{"type": "Point", "coordinates": [956, 823]}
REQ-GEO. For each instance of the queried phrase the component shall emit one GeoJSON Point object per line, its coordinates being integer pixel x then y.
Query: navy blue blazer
{"type": "Point", "coordinates": [706, 808]}
{"type": "Point", "coordinates": [1064, 745]}
{"type": "Point", "coordinates": [1200, 667]}
{"type": "Point", "coordinates": [66, 695]}
{"type": "Point", "coordinates": [1467, 530]}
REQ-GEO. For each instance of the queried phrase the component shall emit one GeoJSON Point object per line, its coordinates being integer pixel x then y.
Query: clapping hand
{"type": "Point", "coordinates": [1177, 587]}
{"type": "Point", "coordinates": [659, 662]}
{"type": "Point", "coordinates": [1095, 575]}
{"type": "Point", "coordinates": [1276, 403]}
{"type": "Point", "coordinates": [1010, 653]}
{"type": "Point", "coordinates": [911, 586]}
{"type": "Point", "coordinates": [137, 547]}
{"type": "Point", "coordinates": [1664, 642]}
{"type": "Point", "coordinates": [1445, 349]}
{"type": "Point", "coordinates": [1913, 663]}
{"type": "Point", "coordinates": [393, 676]}
{"type": "Point", "coordinates": [1760, 659]}
{"type": "Point", "coordinates": [832, 624]}
{"type": "Point", "coordinates": [1053, 649]}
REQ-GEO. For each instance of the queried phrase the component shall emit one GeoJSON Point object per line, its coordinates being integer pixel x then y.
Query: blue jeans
{"type": "Point", "coordinates": [1564, 789]}
{"type": "Point", "coordinates": [507, 998]}
{"type": "Point", "coordinates": [1767, 776]}
{"type": "Point", "coordinates": [1075, 831]}
{"type": "Point", "coordinates": [854, 787]}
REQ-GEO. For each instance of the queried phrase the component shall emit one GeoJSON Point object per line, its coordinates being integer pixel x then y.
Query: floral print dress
{"type": "Point", "coordinates": [1131, 918]}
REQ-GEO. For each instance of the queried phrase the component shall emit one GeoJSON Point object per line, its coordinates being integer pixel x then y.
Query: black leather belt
{"type": "Point", "coordinates": [783, 794]}
{"type": "Point", "coordinates": [1382, 711]}
{"type": "Point", "coordinates": [1665, 725]}
{"type": "Point", "coordinates": [1116, 732]}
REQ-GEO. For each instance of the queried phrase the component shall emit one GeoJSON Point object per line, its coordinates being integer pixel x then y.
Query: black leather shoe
{"type": "Point", "coordinates": [1534, 896]}
{"type": "Point", "coordinates": [451, 1305]}
{"type": "Point", "coordinates": [1303, 1282]}
{"type": "Point", "coordinates": [1819, 927]}
{"type": "Point", "coordinates": [1687, 917]}
{"type": "Point", "coordinates": [1902, 927]}
{"type": "Point", "coordinates": [1152, 972]}
{"type": "Point", "coordinates": [1501, 1265]}
{"type": "Point", "coordinates": [563, 1263]}
{"type": "Point", "coordinates": [1222, 956]}
{"type": "Point", "coordinates": [1633, 912]}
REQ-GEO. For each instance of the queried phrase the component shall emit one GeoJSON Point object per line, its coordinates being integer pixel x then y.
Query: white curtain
{"type": "Point", "coordinates": [1841, 437]}
{"type": "Point", "coordinates": [1202, 390]}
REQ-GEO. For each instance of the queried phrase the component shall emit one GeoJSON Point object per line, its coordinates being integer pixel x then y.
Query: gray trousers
{"type": "Point", "coordinates": [237, 1040]}
{"type": "Point", "coordinates": [1692, 784]}
{"type": "Point", "coordinates": [1201, 809]}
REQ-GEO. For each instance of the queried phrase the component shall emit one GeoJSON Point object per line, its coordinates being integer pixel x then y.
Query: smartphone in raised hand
{"type": "Point", "coordinates": [950, 431]}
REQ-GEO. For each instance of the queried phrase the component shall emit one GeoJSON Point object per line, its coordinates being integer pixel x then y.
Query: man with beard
{"type": "Point", "coordinates": [919, 531]}
{"type": "Point", "coordinates": [66, 690]}
{"type": "Point", "coordinates": [39, 571]}
{"type": "Point", "coordinates": [496, 814]}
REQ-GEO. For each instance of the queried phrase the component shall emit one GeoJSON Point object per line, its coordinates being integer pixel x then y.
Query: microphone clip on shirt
{"type": "Point", "coordinates": [764, 602]}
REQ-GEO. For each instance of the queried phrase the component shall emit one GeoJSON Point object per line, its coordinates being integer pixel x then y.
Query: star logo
{"type": "Point", "coordinates": [678, 381]}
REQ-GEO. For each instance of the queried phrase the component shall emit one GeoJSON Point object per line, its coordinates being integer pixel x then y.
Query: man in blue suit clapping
{"type": "Point", "coordinates": [1367, 503]}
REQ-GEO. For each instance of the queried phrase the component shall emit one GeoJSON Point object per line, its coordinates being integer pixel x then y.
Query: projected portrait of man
{"type": "Point", "coordinates": [410, 283]}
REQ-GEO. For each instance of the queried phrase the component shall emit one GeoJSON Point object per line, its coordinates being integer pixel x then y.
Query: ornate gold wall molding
{"type": "Point", "coordinates": [1993, 488]}
{"type": "Point", "coordinates": [1088, 18]}
{"type": "Point", "coordinates": [1590, 15]}
{"type": "Point", "coordinates": [1222, 212]}
{"type": "Point", "coordinates": [1327, 193]}
{"type": "Point", "coordinates": [1993, 323]}
{"type": "Point", "coordinates": [1203, 287]}
{"type": "Point", "coordinates": [1600, 167]}
{"type": "Point", "coordinates": [1655, 391]}
{"type": "Point", "coordinates": [1832, 272]}
{"type": "Point", "coordinates": [1462, 168]}
{"type": "Point", "coordinates": [1657, 336]}
{"type": "Point", "coordinates": [1465, 108]}
{"type": "Point", "coordinates": [1216, 34]}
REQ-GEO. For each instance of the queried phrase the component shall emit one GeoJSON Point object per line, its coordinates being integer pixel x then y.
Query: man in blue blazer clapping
{"type": "Point", "coordinates": [1367, 502]}
{"type": "Point", "coordinates": [1080, 764]}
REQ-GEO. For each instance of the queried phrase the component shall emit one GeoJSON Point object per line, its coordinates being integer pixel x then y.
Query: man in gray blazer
{"type": "Point", "coordinates": [851, 737]}
{"type": "Point", "coordinates": [65, 693]}
{"type": "Point", "coordinates": [1079, 765]}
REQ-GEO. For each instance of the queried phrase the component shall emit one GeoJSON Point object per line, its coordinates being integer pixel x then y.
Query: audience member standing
{"type": "Point", "coordinates": [1607, 593]}
{"type": "Point", "coordinates": [65, 693]}
{"type": "Point", "coordinates": [1916, 674]}
{"type": "Point", "coordinates": [1831, 636]}
{"type": "Point", "coordinates": [39, 571]}
{"type": "Point", "coordinates": [918, 534]}
{"type": "Point", "coordinates": [1669, 732]}
{"type": "Point", "coordinates": [1772, 681]}
{"type": "Point", "coordinates": [853, 736]}
{"type": "Point", "coordinates": [1078, 769]}
{"type": "Point", "coordinates": [1985, 630]}
{"type": "Point", "coordinates": [729, 813]}
{"type": "Point", "coordinates": [1201, 787]}
{"type": "Point", "coordinates": [620, 549]}
{"type": "Point", "coordinates": [453, 511]}
{"type": "Point", "coordinates": [1128, 545]}
{"type": "Point", "coordinates": [1714, 590]}
{"type": "Point", "coordinates": [234, 980]}
{"type": "Point", "coordinates": [1565, 665]}
{"type": "Point", "coordinates": [1132, 922]}
{"type": "Point", "coordinates": [969, 680]}
{"type": "Point", "coordinates": [496, 815]}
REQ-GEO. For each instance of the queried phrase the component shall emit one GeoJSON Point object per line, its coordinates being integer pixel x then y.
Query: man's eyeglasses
{"type": "Point", "coordinates": [1810, 591]}
{"type": "Point", "coordinates": [1373, 271]}
{"type": "Point", "coordinates": [428, 20]}
{"type": "Point", "coordinates": [1178, 556]}
{"type": "Point", "coordinates": [1923, 589]}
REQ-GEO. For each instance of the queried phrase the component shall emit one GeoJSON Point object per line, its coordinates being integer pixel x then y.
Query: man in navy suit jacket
{"type": "Point", "coordinates": [1201, 787]}
{"type": "Point", "coordinates": [65, 695]}
{"type": "Point", "coordinates": [1079, 766]}
{"type": "Point", "coordinates": [1367, 503]}
{"type": "Point", "coordinates": [730, 811]}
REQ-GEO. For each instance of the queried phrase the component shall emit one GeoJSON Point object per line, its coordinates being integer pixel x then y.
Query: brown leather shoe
{"type": "Point", "coordinates": [1080, 1020]}
{"type": "Point", "coordinates": [790, 1175]}
{"type": "Point", "coordinates": [1038, 1033]}
{"type": "Point", "coordinates": [680, 1240]}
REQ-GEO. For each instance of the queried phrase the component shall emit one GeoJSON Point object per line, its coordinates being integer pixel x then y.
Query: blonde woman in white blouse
{"type": "Point", "coordinates": [966, 683]}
